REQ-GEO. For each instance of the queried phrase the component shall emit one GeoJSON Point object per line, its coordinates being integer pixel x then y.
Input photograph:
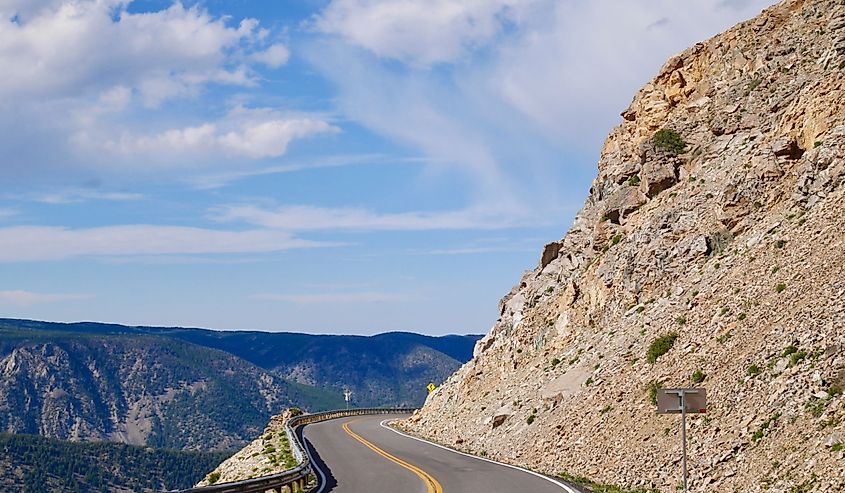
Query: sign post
{"type": "Point", "coordinates": [682, 401]}
{"type": "Point", "coordinates": [430, 387]}
{"type": "Point", "coordinates": [346, 395]}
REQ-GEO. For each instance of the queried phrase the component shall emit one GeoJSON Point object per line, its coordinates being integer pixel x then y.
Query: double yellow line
{"type": "Point", "coordinates": [431, 484]}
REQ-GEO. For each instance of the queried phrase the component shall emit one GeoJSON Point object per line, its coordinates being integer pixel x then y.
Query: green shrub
{"type": "Point", "coordinates": [651, 391]}
{"type": "Point", "coordinates": [780, 243]}
{"type": "Point", "coordinates": [816, 407]}
{"type": "Point", "coordinates": [214, 477]}
{"type": "Point", "coordinates": [753, 371]}
{"type": "Point", "coordinates": [780, 287]}
{"type": "Point", "coordinates": [836, 447]}
{"type": "Point", "coordinates": [660, 346]}
{"type": "Point", "coordinates": [796, 358]}
{"type": "Point", "coordinates": [530, 419]}
{"type": "Point", "coordinates": [669, 141]}
{"type": "Point", "coordinates": [634, 180]}
{"type": "Point", "coordinates": [698, 376]}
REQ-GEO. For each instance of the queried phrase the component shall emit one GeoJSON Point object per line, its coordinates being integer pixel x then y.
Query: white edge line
{"type": "Point", "coordinates": [551, 480]}
{"type": "Point", "coordinates": [322, 480]}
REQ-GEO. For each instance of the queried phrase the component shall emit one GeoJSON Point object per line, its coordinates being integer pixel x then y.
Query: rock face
{"type": "Point", "coordinates": [733, 241]}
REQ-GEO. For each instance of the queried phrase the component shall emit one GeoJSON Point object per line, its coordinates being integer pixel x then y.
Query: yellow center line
{"type": "Point", "coordinates": [431, 484]}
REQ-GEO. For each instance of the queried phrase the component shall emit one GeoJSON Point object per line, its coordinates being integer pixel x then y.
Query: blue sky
{"type": "Point", "coordinates": [342, 166]}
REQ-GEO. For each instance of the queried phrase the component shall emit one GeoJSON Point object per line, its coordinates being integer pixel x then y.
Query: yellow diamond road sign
{"type": "Point", "coordinates": [431, 387]}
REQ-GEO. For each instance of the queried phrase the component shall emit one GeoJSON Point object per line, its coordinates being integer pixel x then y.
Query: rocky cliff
{"type": "Point", "coordinates": [710, 253]}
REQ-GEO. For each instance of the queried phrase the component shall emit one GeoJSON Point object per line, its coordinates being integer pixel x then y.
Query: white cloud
{"type": "Point", "coordinates": [77, 73]}
{"type": "Point", "coordinates": [334, 298]}
{"type": "Point", "coordinates": [420, 32]}
{"type": "Point", "coordinates": [306, 218]}
{"type": "Point", "coordinates": [25, 298]}
{"type": "Point", "coordinates": [6, 213]}
{"type": "Point", "coordinates": [40, 243]}
{"type": "Point", "coordinates": [274, 57]}
{"type": "Point", "coordinates": [251, 133]}
{"type": "Point", "coordinates": [66, 48]}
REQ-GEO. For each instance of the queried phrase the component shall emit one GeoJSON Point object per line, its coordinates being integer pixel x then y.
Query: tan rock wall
{"type": "Point", "coordinates": [741, 256]}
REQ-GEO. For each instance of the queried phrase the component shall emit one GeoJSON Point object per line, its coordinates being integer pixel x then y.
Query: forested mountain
{"type": "Point", "coordinates": [144, 390]}
{"type": "Point", "coordinates": [41, 465]}
{"type": "Point", "coordinates": [199, 389]}
{"type": "Point", "coordinates": [386, 369]}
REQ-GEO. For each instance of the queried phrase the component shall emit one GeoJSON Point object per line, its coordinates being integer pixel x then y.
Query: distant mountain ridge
{"type": "Point", "coordinates": [200, 389]}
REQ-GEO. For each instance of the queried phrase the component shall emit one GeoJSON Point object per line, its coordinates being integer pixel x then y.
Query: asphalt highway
{"type": "Point", "coordinates": [363, 455]}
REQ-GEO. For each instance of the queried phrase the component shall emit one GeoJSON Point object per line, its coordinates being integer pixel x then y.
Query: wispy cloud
{"type": "Point", "coordinates": [305, 218]}
{"type": "Point", "coordinates": [38, 243]}
{"type": "Point", "coordinates": [79, 195]}
{"type": "Point", "coordinates": [476, 250]}
{"type": "Point", "coordinates": [330, 298]}
{"type": "Point", "coordinates": [6, 213]}
{"type": "Point", "coordinates": [25, 298]}
{"type": "Point", "coordinates": [218, 180]}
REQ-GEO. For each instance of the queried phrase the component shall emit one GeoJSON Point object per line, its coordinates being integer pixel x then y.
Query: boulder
{"type": "Point", "coordinates": [501, 414]}
{"type": "Point", "coordinates": [658, 175]}
{"type": "Point", "coordinates": [550, 252]}
{"type": "Point", "coordinates": [623, 202]}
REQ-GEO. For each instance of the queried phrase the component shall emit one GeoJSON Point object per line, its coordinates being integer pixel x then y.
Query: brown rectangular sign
{"type": "Point", "coordinates": [669, 400]}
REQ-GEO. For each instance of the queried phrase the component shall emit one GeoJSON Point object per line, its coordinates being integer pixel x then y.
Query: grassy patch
{"type": "Point", "coordinates": [599, 487]}
{"type": "Point", "coordinates": [765, 426]}
{"type": "Point", "coordinates": [661, 346]}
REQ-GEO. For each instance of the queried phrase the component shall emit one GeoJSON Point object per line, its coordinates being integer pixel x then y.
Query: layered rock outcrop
{"type": "Point", "coordinates": [716, 216]}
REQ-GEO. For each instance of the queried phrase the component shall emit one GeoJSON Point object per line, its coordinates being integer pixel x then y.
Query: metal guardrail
{"type": "Point", "coordinates": [295, 477]}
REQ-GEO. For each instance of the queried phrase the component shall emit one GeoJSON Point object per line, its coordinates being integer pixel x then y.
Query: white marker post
{"type": "Point", "coordinates": [675, 401]}
{"type": "Point", "coordinates": [346, 395]}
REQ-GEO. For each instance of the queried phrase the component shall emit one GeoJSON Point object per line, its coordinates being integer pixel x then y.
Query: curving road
{"type": "Point", "coordinates": [361, 454]}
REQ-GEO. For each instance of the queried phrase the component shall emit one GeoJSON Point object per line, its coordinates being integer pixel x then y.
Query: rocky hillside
{"type": "Point", "coordinates": [268, 454]}
{"type": "Point", "coordinates": [709, 252]}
